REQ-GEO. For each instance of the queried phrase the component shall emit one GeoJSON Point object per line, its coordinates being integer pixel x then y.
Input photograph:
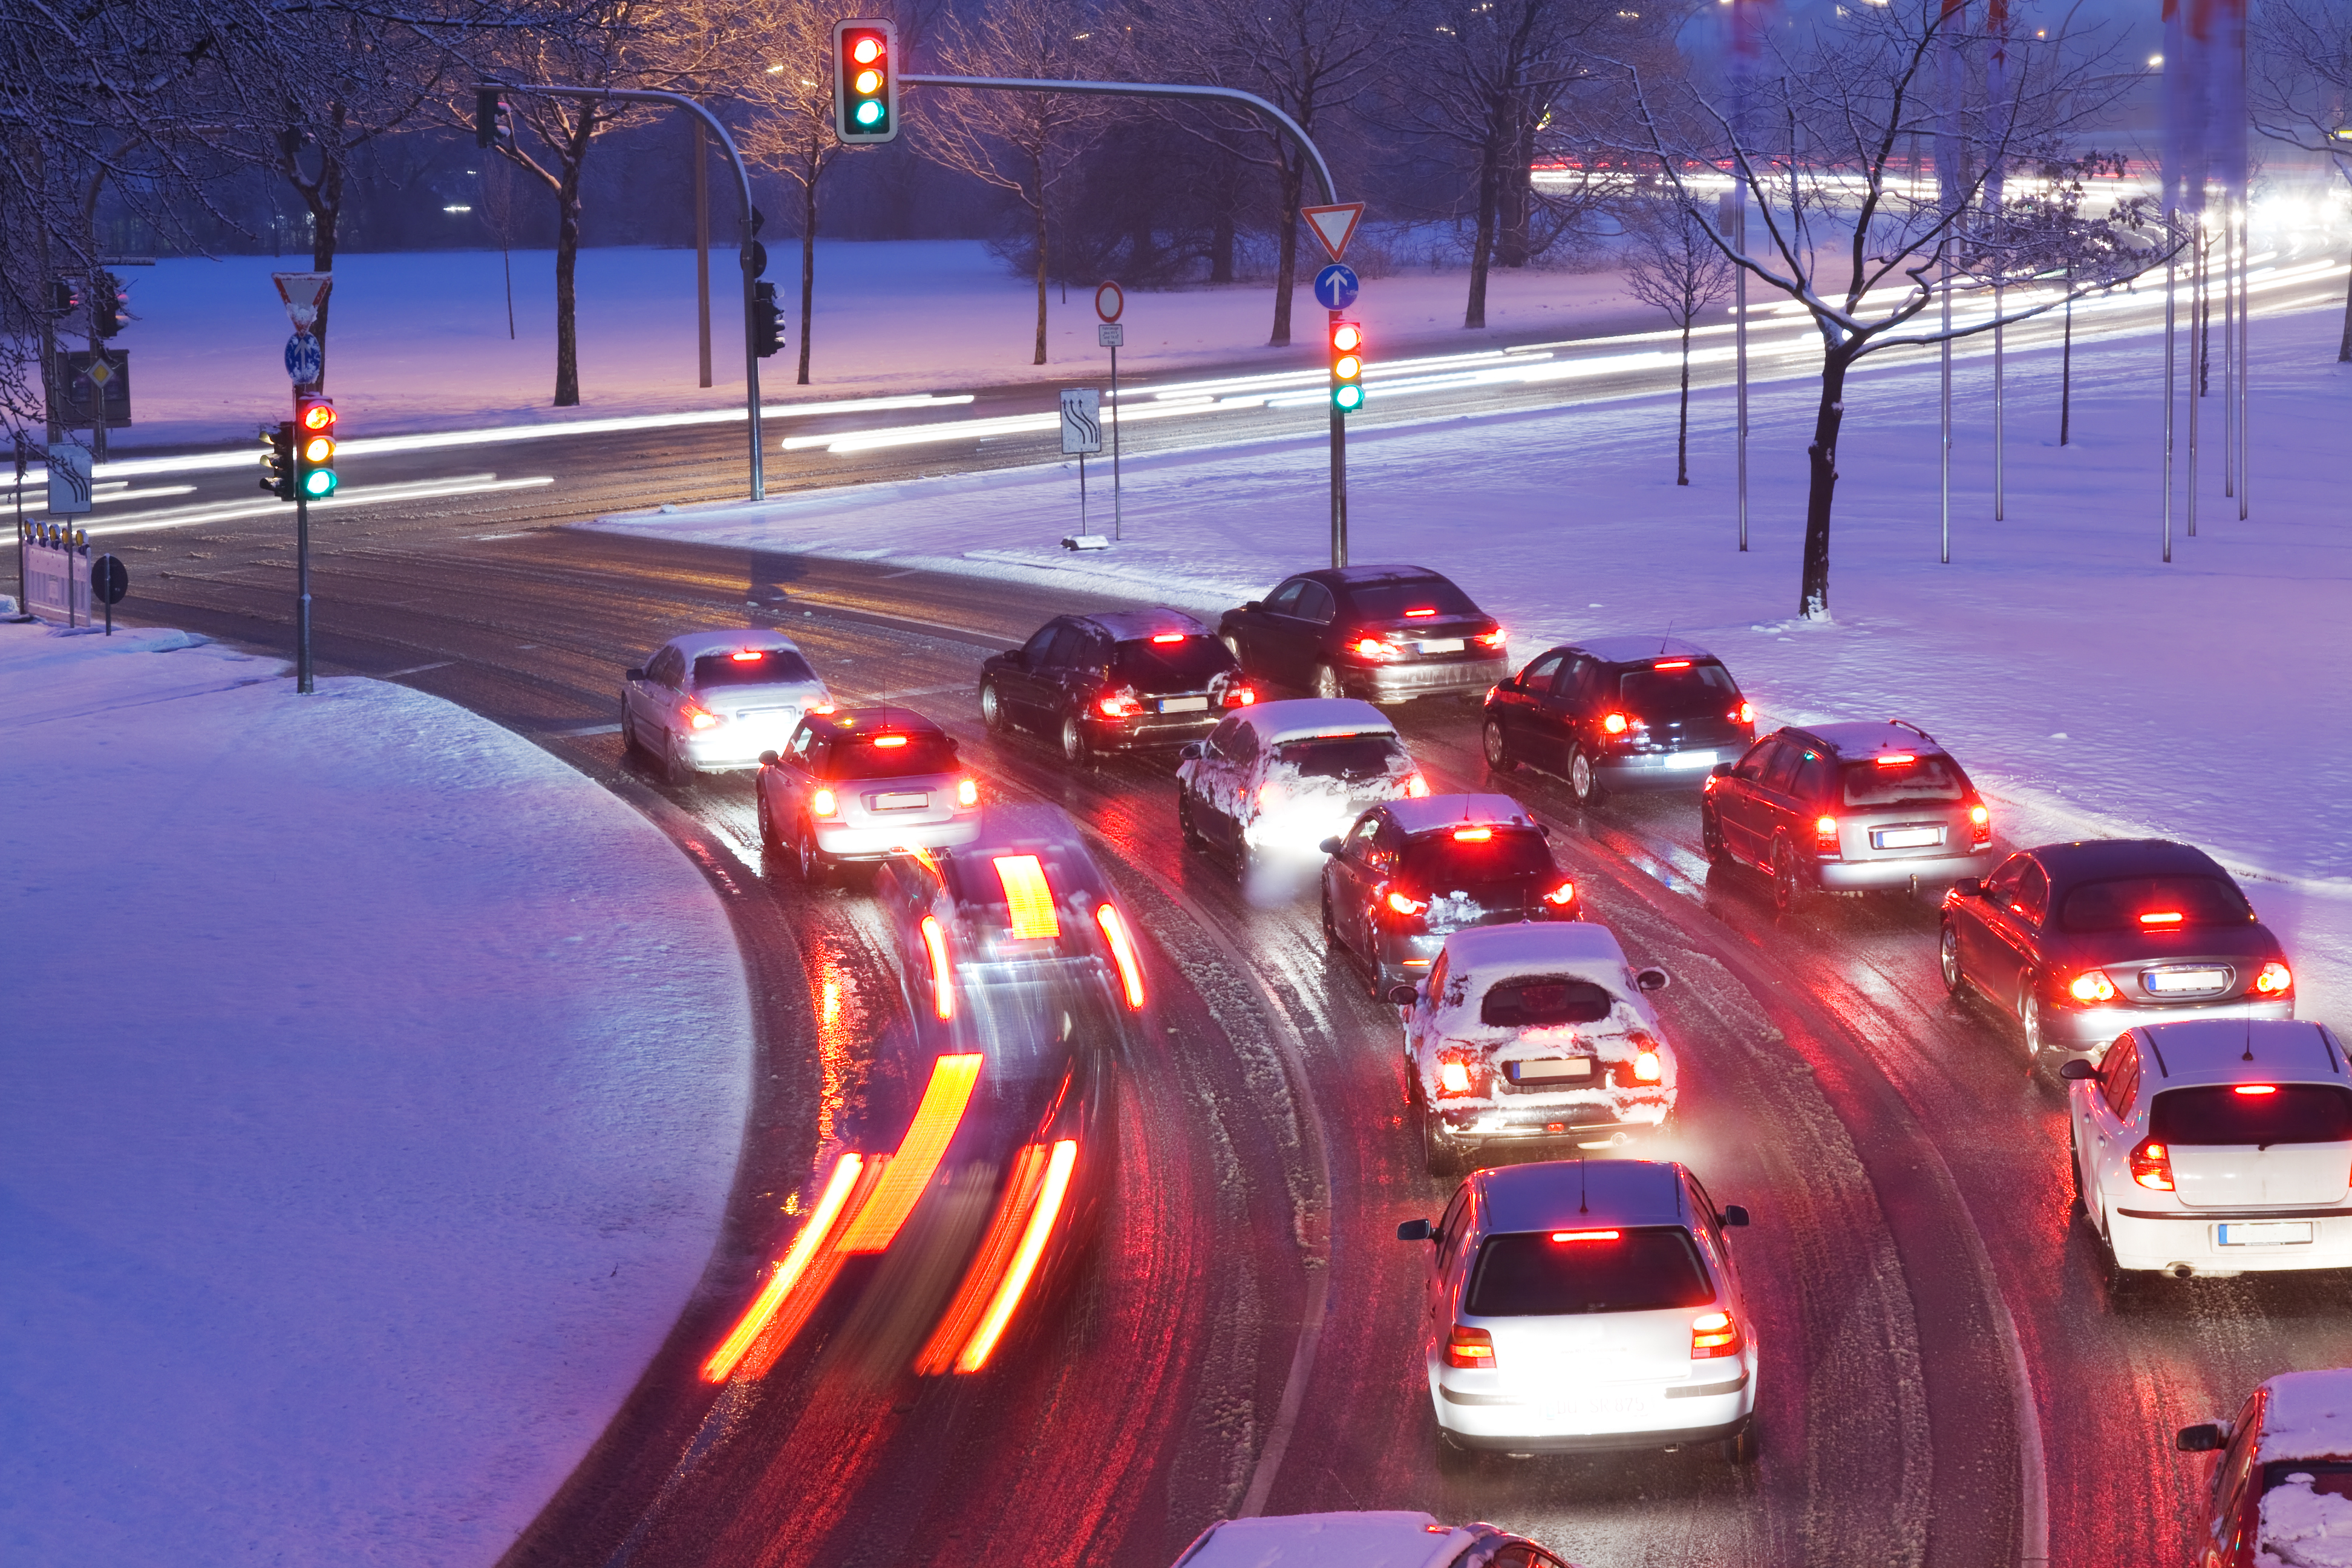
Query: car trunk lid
{"type": "Point", "coordinates": [2239, 1175]}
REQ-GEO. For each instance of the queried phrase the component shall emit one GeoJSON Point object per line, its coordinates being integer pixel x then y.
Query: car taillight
{"type": "Point", "coordinates": [968, 792]}
{"type": "Point", "coordinates": [1120, 704]}
{"type": "Point", "coordinates": [1714, 1335]}
{"type": "Point", "coordinates": [702, 718]}
{"type": "Point", "coordinates": [1616, 724]}
{"type": "Point", "coordinates": [1122, 953]}
{"type": "Point", "coordinates": [1745, 713]}
{"type": "Point", "coordinates": [2151, 1166]}
{"type": "Point", "coordinates": [1377, 647]}
{"type": "Point", "coordinates": [1406, 905]}
{"type": "Point", "coordinates": [822, 705]}
{"type": "Point", "coordinates": [1270, 795]}
{"type": "Point", "coordinates": [2275, 980]}
{"type": "Point", "coordinates": [1469, 1347]}
{"type": "Point", "coordinates": [1564, 895]}
{"type": "Point", "coordinates": [1647, 1069]}
{"type": "Point", "coordinates": [1458, 1074]}
{"type": "Point", "coordinates": [2092, 985]}
{"type": "Point", "coordinates": [1417, 787]}
{"type": "Point", "coordinates": [935, 942]}
{"type": "Point", "coordinates": [823, 804]}
{"type": "Point", "coordinates": [1826, 834]}
{"type": "Point", "coordinates": [1979, 827]}
{"type": "Point", "coordinates": [1239, 696]}
{"type": "Point", "coordinates": [1494, 638]}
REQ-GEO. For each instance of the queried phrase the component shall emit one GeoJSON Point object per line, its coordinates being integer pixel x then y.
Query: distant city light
{"type": "Point", "coordinates": [456, 209]}
{"type": "Point", "coordinates": [2154, 61]}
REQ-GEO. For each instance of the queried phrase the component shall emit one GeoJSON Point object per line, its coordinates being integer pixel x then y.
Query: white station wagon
{"type": "Point", "coordinates": [710, 700]}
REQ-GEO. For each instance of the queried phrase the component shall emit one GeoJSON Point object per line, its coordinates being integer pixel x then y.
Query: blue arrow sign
{"type": "Point", "coordinates": [305, 359]}
{"type": "Point", "coordinates": [1335, 287]}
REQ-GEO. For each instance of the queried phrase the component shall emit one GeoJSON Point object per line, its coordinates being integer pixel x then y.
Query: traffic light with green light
{"type": "Point", "coordinates": [314, 436]}
{"type": "Point", "coordinates": [866, 82]}
{"type": "Point", "coordinates": [1346, 366]}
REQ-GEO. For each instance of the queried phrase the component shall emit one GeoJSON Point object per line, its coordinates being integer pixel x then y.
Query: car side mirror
{"type": "Point", "coordinates": [1255, 605]}
{"type": "Point", "coordinates": [1543, 829]}
{"type": "Point", "coordinates": [2205, 1437]}
{"type": "Point", "coordinates": [2076, 1069]}
{"type": "Point", "coordinates": [1402, 995]}
{"type": "Point", "coordinates": [769, 759]}
{"type": "Point", "coordinates": [1653, 980]}
{"type": "Point", "coordinates": [1193, 751]}
{"type": "Point", "coordinates": [1720, 771]}
{"type": "Point", "coordinates": [1329, 846]}
{"type": "Point", "coordinates": [637, 674]}
{"type": "Point", "coordinates": [1734, 1216]}
{"type": "Point", "coordinates": [1019, 655]}
{"type": "Point", "coordinates": [1422, 1230]}
{"type": "Point", "coordinates": [1968, 887]}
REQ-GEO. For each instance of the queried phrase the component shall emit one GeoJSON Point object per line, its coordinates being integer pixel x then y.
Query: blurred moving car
{"type": "Point", "coordinates": [1283, 776]}
{"type": "Point", "coordinates": [2215, 1147]}
{"type": "Point", "coordinates": [1386, 1539]}
{"type": "Point", "coordinates": [1412, 871]}
{"type": "Point", "coordinates": [861, 784]}
{"type": "Point", "coordinates": [1619, 712]}
{"type": "Point", "coordinates": [2082, 941]}
{"type": "Point", "coordinates": [2282, 1491]}
{"type": "Point", "coordinates": [1114, 682]}
{"type": "Point", "coordinates": [1582, 1305]}
{"type": "Point", "coordinates": [709, 701]}
{"type": "Point", "coordinates": [1527, 1032]}
{"type": "Point", "coordinates": [1383, 633]}
{"type": "Point", "coordinates": [1846, 808]}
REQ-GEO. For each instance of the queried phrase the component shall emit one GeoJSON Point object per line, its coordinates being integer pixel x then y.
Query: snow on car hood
{"type": "Point", "coordinates": [2304, 1529]}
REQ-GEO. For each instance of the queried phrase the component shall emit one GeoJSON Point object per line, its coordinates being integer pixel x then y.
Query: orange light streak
{"type": "Point", "coordinates": [935, 941]}
{"type": "Point", "coordinates": [788, 1272]}
{"type": "Point", "coordinates": [920, 1152]}
{"type": "Point", "coordinates": [1122, 951]}
{"type": "Point", "coordinates": [993, 1324]}
{"type": "Point", "coordinates": [989, 1262]}
{"type": "Point", "coordinates": [1030, 900]}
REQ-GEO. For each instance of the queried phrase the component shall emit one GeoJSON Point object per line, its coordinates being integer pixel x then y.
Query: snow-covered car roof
{"type": "Point", "coordinates": [1133, 625]}
{"type": "Point", "coordinates": [2310, 1417]}
{"type": "Point", "coordinates": [1583, 1193]}
{"type": "Point", "coordinates": [1638, 648]}
{"type": "Point", "coordinates": [2243, 1050]}
{"type": "Point", "coordinates": [1391, 1538]}
{"type": "Point", "coordinates": [1433, 813]}
{"type": "Point", "coordinates": [1869, 738]}
{"type": "Point", "coordinates": [1304, 717]}
{"type": "Point", "coordinates": [696, 644]}
{"type": "Point", "coordinates": [1485, 955]}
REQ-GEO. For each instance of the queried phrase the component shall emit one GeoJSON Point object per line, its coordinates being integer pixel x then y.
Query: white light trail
{"type": "Point", "coordinates": [426, 490]}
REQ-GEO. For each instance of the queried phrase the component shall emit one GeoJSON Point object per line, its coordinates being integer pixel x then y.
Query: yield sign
{"type": "Point", "coordinates": [303, 292]}
{"type": "Point", "coordinates": [1334, 225]}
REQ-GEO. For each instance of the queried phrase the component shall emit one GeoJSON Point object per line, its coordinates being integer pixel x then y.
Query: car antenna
{"type": "Point", "coordinates": [1668, 638]}
{"type": "Point", "coordinates": [1580, 1187]}
{"type": "Point", "coordinates": [2250, 1042]}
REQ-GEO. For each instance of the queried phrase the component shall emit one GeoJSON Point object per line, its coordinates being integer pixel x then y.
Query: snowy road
{"type": "Point", "coordinates": [1907, 1170]}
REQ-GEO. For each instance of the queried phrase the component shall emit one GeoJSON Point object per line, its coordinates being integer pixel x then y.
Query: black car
{"type": "Point", "coordinates": [1619, 712]}
{"type": "Point", "coordinates": [1114, 683]}
{"type": "Point", "coordinates": [1411, 871]}
{"type": "Point", "coordinates": [1380, 633]}
{"type": "Point", "coordinates": [2086, 939]}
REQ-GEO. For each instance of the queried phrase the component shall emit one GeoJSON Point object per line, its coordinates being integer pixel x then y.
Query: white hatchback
{"type": "Point", "coordinates": [709, 701]}
{"type": "Point", "coordinates": [1581, 1305]}
{"type": "Point", "coordinates": [2216, 1147]}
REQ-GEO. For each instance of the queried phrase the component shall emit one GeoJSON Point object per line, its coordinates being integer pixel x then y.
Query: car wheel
{"type": "Point", "coordinates": [1184, 823]}
{"type": "Point", "coordinates": [2029, 1019]}
{"type": "Point", "coordinates": [1381, 977]}
{"type": "Point", "coordinates": [1331, 943]}
{"type": "Point", "coordinates": [1947, 958]}
{"type": "Point", "coordinates": [1498, 749]}
{"type": "Point", "coordinates": [2123, 1285]}
{"type": "Point", "coordinates": [1710, 839]}
{"type": "Point", "coordinates": [991, 709]}
{"type": "Point", "coordinates": [768, 839]}
{"type": "Point", "coordinates": [630, 745]}
{"type": "Point", "coordinates": [1583, 782]}
{"type": "Point", "coordinates": [679, 771]}
{"type": "Point", "coordinates": [1742, 1447]}
{"type": "Point", "coordinates": [1326, 682]}
{"type": "Point", "coordinates": [1074, 750]}
{"type": "Point", "coordinates": [1438, 1157]}
{"type": "Point", "coordinates": [1788, 890]}
{"type": "Point", "coordinates": [810, 860]}
{"type": "Point", "coordinates": [2074, 1170]}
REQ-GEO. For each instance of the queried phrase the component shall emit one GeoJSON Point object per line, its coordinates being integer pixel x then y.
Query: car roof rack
{"type": "Point", "coordinates": [1905, 723]}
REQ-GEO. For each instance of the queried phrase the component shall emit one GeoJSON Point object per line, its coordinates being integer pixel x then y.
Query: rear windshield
{"type": "Point", "coordinates": [2332, 1477]}
{"type": "Point", "coordinates": [1899, 783]}
{"type": "Point", "coordinates": [1543, 1000]}
{"type": "Point", "coordinates": [766, 667]}
{"type": "Point", "coordinates": [2218, 1113]}
{"type": "Point", "coordinates": [1532, 1276]}
{"type": "Point", "coordinates": [2122, 904]}
{"type": "Point", "coordinates": [863, 756]}
{"type": "Point", "coordinates": [1184, 666]}
{"type": "Point", "coordinates": [1396, 600]}
{"type": "Point", "coordinates": [1698, 691]}
{"type": "Point", "coordinates": [1442, 862]}
{"type": "Point", "coordinates": [1341, 756]}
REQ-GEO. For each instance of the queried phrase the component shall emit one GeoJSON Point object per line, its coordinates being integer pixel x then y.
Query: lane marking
{"type": "Point", "coordinates": [421, 669]}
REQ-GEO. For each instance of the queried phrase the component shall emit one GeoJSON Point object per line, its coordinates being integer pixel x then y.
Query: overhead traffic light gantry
{"type": "Point", "coordinates": [866, 82]}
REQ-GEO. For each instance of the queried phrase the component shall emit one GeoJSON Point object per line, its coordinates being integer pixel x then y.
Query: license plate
{"type": "Point", "coordinates": [1906, 837]}
{"type": "Point", "coordinates": [1565, 1067]}
{"type": "Point", "coordinates": [2266, 1233]}
{"type": "Point", "coordinates": [1691, 760]}
{"type": "Point", "coordinates": [902, 800]}
{"type": "Point", "coordinates": [1184, 705]}
{"type": "Point", "coordinates": [1442, 644]}
{"type": "Point", "coordinates": [1608, 1407]}
{"type": "Point", "coordinates": [2173, 980]}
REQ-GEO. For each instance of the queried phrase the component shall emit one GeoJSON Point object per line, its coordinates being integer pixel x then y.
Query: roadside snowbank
{"type": "Point", "coordinates": [2089, 686]}
{"type": "Point", "coordinates": [375, 1084]}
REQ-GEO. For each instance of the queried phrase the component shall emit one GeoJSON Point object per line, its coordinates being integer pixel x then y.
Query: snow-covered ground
{"type": "Point", "coordinates": [374, 1086]}
{"type": "Point", "coordinates": [2089, 686]}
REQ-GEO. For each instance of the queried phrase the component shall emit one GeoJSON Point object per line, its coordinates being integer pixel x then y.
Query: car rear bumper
{"type": "Point", "coordinates": [731, 746]}
{"type": "Point", "coordinates": [2160, 1239]}
{"type": "Point", "coordinates": [854, 841]}
{"type": "Point", "coordinates": [1152, 731]}
{"type": "Point", "coordinates": [2088, 1031]}
{"type": "Point", "coordinates": [1872, 876]}
{"type": "Point", "coordinates": [1663, 770]}
{"type": "Point", "coordinates": [1444, 678]}
{"type": "Point", "coordinates": [1583, 1124]}
{"type": "Point", "coordinates": [1607, 1417]}
{"type": "Point", "coordinates": [1417, 951]}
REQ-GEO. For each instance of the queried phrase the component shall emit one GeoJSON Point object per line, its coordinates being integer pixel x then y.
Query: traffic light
{"type": "Point", "coordinates": [105, 304]}
{"type": "Point", "coordinates": [767, 320]}
{"type": "Point", "coordinates": [62, 298]}
{"type": "Point", "coordinates": [277, 459]}
{"type": "Point", "coordinates": [1346, 366]}
{"type": "Point", "coordinates": [866, 82]}
{"type": "Point", "coordinates": [486, 116]}
{"type": "Point", "coordinates": [314, 428]}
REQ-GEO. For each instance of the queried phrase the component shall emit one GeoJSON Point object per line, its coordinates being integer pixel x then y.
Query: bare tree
{"type": "Point", "coordinates": [1814, 142]}
{"type": "Point", "coordinates": [1670, 263]}
{"type": "Point", "coordinates": [1023, 143]}
{"type": "Point", "coordinates": [2299, 88]}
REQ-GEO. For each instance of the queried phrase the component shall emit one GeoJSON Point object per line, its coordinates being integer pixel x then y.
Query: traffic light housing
{"type": "Point", "coordinates": [105, 305]}
{"type": "Point", "coordinates": [62, 298]}
{"type": "Point", "coordinates": [866, 82]}
{"type": "Point", "coordinates": [314, 453]}
{"type": "Point", "coordinates": [767, 320]}
{"type": "Point", "coordinates": [1346, 366]}
{"type": "Point", "coordinates": [277, 459]}
{"type": "Point", "coordinates": [486, 116]}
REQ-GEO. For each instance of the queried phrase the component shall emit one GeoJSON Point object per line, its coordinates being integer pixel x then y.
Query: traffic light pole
{"type": "Point", "coordinates": [301, 588]}
{"type": "Point", "coordinates": [743, 190]}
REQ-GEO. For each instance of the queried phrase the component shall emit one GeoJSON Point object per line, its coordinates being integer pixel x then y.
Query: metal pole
{"type": "Point", "coordinates": [2169, 268]}
{"type": "Point", "coordinates": [1739, 340]}
{"type": "Point", "coordinates": [2000, 472]}
{"type": "Point", "coordinates": [1945, 550]}
{"type": "Point", "coordinates": [1118, 518]}
{"type": "Point", "coordinates": [743, 192]}
{"type": "Point", "coordinates": [1082, 492]}
{"type": "Point", "coordinates": [701, 252]}
{"type": "Point", "coordinates": [2196, 358]}
{"type": "Point", "coordinates": [301, 582]}
{"type": "Point", "coordinates": [2245, 332]}
{"type": "Point", "coordinates": [2229, 350]}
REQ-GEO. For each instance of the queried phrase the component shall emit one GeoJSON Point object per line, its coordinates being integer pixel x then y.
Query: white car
{"type": "Point", "coordinates": [1526, 1033]}
{"type": "Point", "coordinates": [2215, 1147]}
{"type": "Point", "coordinates": [1388, 1538]}
{"type": "Point", "coordinates": [1582, 1305]}
{"type": "Point", "coordinates": [709, 701]}
{"type": "Point", "coordinates": [1281, 777]}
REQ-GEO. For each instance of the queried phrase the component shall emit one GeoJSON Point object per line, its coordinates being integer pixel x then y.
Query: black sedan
{"type": "Point", "coordinates": [1380, 633]}
{"type": "Point", "coordinates": [1619, 712]}
{"type": "Point", "coordinates": [2085, 941]}
{"type": "Point", "coordinates": [1114, 683]}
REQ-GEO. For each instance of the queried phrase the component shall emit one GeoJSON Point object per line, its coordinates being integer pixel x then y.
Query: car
{"type": "Point", "coordinates": [2282, 1490]}
{"type": "Point", "coordinates": [1534, 1034]}
{"type": "Point", "coordinates": [1382, 633]}
{"type": "Point", "coordinates": [1121, 681]}
{"type": "Point", "coordinates": [1618, 713]}
{"type": "Point", "coordinates": [713, 701]}
{"type": "Point", "coordinates": [2215, 1146]}
{"type": "Point", "coordinates": [1281, 777]}
{"type": "Point", "coordinates": [1577, 1306]}
{"type": "Point", "coordinates": [1014, 930]}
{"type": "Point", "coordinates": [2084, 939]}
{"type": "Point", "coordinates": [862, 783]}
{"type": "Point", "coordinates": [1846, 808]}
{"type": "Point", "coordinates": [1412, 871]}
{"type": "Point", "coordinates": [1392, 1538]}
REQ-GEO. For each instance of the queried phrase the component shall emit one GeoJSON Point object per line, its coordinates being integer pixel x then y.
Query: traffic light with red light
{"type": "Point", "coordinates": [314, 437]}
{"type": "Point", "coordinates": [866, 82]}
{"type": "Point", "coordinates": [1346, 366]}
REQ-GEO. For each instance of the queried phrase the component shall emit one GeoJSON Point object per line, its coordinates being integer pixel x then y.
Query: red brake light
{"type": "Point", "coordinates": [935, 942]}
{"type": "Point", "coordinates": [748, 656]}
{"type": "Point", "coordinates": [1417, 787]}
{"type": "Point", "coordinates": [1647, 1068]}
{"type": "Point", "coordinates": [968, 792]}
{"type": "Point", "coordinates": [1459, 1072]}
{"type": "Point", "coordinates": [1370, 648]}
{"type": "Point", "coordinates": [1826, 834]}
{"type": "Point", "coordinates": [2255, 1089]}
{"type": "Point", "coordinates": [1745, 713]}
{"type": "Point", "coordinates": [888, 742]}
{"type": "Point", "coordinates": [1405, 905]}
{"type": "Point", "coordinates": [2160, 918]}
{"type": "Point", "coordinates": [2275, 980]}
{"type": "Point", "coordinates": [2093, 985]}
{"type": "Point", "coordinates": [1586, 1234]}
{"type": "Point", "coordinates": [1671, 664]}
{"type": "Point", "coordinates": [1469, 1347]}
{"type": "Point", "coordinates": [1714, 1335]}
{"type": "Point", "coordinates": [1167, 637]}
{"type": "Point", "coordinates": [1239, 696]}
{"type": "Point", "coordinates": [1121, 705]}
{"type": "Point", "coordinates": [1473, 835]}
{"type": "Point", "coordinates": [1416, 614]}
{"type": "Point", "coordinates": [821, 803]}
{"type": "Point", "coordinates": [702, 719]}
{"type": "Point", "coordinates": [2151, 1166]}
{"type": "Point", "coordinates": [1894, 759]}
{"type": "Point", "coordinates": [1979, 827]}
{"type": "Point", "coordinates": [1494, 638]}
{"type": "Point", "coordinates": [1122, 953]}
{"type": "Point", "coordinates": [1616, 724]}
{"type": "Point", "coordinates": [1564, 895]}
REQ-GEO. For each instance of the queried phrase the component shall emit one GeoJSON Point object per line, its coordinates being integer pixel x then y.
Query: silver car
{"type": "Point", "coordinates": [710, 700]}
{"type": "Point", "coordinates": [863, 783]}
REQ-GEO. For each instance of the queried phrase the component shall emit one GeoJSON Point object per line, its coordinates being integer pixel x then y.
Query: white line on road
{"type": "Point", "coordinates": [427, 490]}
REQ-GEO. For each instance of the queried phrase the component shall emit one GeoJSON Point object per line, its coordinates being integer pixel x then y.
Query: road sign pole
{"type": "Point", "coordinates": [1339, 483]}
{"type": "Point", "coordinates": [1117, 516]}
{"type": "Point", "coordinates": [301, 590]}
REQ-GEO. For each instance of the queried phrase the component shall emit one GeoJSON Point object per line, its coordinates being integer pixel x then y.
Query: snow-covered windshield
{"type": "Point", "coordinates": [2154, 903]}
{"type": "Point", "coordinates": [1344, 756]}
{"type": "Point", "coordinates": [1542, 1001]}
{"type": "Point", "coordinates": [2219, 1113]}
{"type": "Point", "coordinates": [1535, 1276]}
{"type": "Point", "coordinates": [1899, 783]}
{"type": "Point", "coordinates": [1186, 665]}
{"type": "Point", "coordinates": [1396, 600]}
{"type": "Point", "coordinates": [1696, 691]}
{"type": "Point", "coordinates": [763, 667]}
